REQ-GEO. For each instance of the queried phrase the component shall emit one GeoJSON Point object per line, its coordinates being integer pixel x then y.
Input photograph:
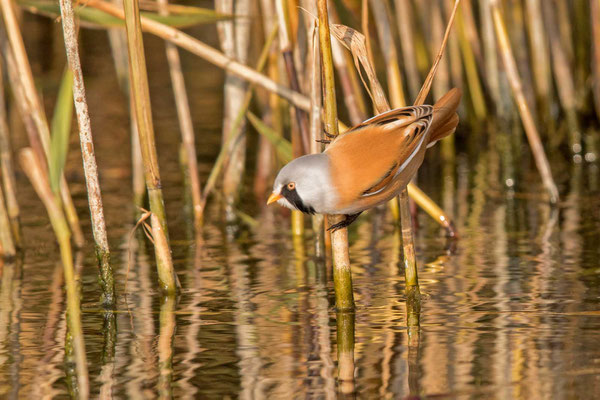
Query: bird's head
{"type": "Point", "coordinates": [305, 184]}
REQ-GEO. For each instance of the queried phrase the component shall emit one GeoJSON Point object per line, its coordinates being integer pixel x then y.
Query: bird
{"type": "Point", "coordinates": [368, 164]}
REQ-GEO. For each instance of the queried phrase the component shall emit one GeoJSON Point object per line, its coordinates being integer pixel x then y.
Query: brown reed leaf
{"type": "Point", "coordinates": [356, 43]}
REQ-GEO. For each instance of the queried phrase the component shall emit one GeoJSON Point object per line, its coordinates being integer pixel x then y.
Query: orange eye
{"type": "Point", "coordinates": [291, 186]}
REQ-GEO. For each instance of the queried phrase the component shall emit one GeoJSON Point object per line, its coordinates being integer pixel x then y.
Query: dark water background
{"type": "Point", "coordinates": [510, 311]}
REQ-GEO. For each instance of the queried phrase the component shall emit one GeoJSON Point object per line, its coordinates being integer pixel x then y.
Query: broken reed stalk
{"type": "Point", "coordinates": [32, 110]}
{"type": "Point", "coordinates": [515, 83]}
{"type": "Point", "coordinates": [7, 170]}
{"type": "Point", "coordinates": [185, 123]}
{"type": "Point", "coordinates": [431, 208]}
{"type": "Point", "coordinates": [37, 176]}
{"type": "Point", "coordinates": [141, 97]}
{"type": "Point", "coordinates": [90, 167]}
{"type": "Point", "coordinates": [342, 277]}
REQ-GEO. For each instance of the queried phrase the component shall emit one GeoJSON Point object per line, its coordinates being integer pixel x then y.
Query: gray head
{"type": "Point", "coordinates": [305, 184]}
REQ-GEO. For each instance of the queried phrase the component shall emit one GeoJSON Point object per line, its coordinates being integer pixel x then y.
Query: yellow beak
{"type": "Point", "coordinates": [273, 198]}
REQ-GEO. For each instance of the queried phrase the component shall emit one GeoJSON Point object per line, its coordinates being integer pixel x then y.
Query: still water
{"type": "Point", "coordinates": [511, 310]}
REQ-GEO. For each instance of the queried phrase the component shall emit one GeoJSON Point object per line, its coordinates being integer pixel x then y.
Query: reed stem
{"type": "Point", "coordinates": [7, 244]}
{"type": "Point", "coordinates": [38, 178]}
{"type": "Point", "coordinates": [6, 167]}
{"type": "Point", "coordinates": [185, 123]}
{"type": "Point", "coordinates": [342, 277]}
{"type": "Point", "coordinates": [107, 283]}
{"type": "Point", "coordinates": [141, 97]}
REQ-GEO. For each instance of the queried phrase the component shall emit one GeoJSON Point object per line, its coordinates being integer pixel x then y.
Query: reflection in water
{"type": "Point", "coordinates": [510, 313]}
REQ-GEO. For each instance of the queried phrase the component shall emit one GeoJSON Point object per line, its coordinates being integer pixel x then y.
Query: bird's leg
{"type": "Point", "coordinates": [325, 141]}
{"type": "Point", "coordinates": [344, 223]}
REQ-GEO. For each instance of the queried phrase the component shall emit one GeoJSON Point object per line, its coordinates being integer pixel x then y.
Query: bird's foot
{"type": "Point", "coordinates": [325, 141]}
{"type": "Point", "coordinates": [344, 223]}
{"type": "Point", "coordinates": [329, 135]}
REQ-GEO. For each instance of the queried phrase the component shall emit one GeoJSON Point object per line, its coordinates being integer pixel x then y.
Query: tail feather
{"type": "Point", "coordinates": [445, 118]}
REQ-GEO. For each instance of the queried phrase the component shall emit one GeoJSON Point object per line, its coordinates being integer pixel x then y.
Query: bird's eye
{"type": "Point", "coordinates": [291, 186]}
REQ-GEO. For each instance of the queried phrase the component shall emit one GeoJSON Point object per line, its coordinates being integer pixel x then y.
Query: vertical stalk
{"type": "Point", "coordinates": [6, 240]}
{"type": "Point", "coordinates": [235, 36]}
{"type": "Point", "coordinates": [141, 98]}
{"type": "Point", "coordinates": [7, 170]}
{"type": "Point", "coordinates": [314, 77]}
{"type": "Point", "coordinates": [33, 110]}
{"type": "Point", "coordinates": [390, 53]}
{"type": "Point", "coordinates": [300, 135]}
{"type": "Point", "coordinates": [342, 276]}
{"type": "Point", "coordinates": [407, 45]}
{"type": "Point", "coordinates": [87, 151]}
{"type": "Point", "coordinates": [35, 172]}
{"type": "Point", "coordinates": [515, 82]}
{"type": "Point", "coordinates": [564, 82]}
{"type": "Point", "coordinates": [185, 122]}
{"type": "Point", "coordinates": [595, 16]}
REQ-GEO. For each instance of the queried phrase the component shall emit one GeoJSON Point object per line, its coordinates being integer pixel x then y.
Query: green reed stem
{"type": "Point", "coordinates": [141, 97]}
{"type": "Point", "coordinates": [342, 277]}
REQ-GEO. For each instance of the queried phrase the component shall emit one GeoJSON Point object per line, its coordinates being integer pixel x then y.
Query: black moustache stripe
{"type": "Point", "coordinates": [293, 197]}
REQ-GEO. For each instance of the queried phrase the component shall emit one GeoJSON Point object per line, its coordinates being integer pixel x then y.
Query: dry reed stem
{"type": "Point", "coordinates": [540, 54]}
{"type": "Point", "coordinates": [87, 151]}
{"type": "Point", "coordinates": [342, 276]}
{"type": "Point", "coordinates": [427, 204]}
{"type": "Point", "coordinates": [564, 82]}
{"type": "Point", "coordinates": [429, 79]}
{"type": "Point", "coordinates": [300, 144]}
{"type": "Point", "coordinates": [141, 97]}
{"type": "Point", "coordinates": [32, 107]}
{"type": "Point", "coordinates": [234, 38]}
{"type": "Point", "coordinates": [515, 82]}
{"type": "Point", "coordinates": [490, 52]}
{"type": "Point", "coordinates": [441, 84]}
{"type": "Point", "coordinates": [39, 180]}
{"type": "Point", "coordinates": [595, 16]}
{"type": "Point", "coordinates": [185, 122]}
{"type": "Point", "coordinates": [8, 173]}
{"type": "Point", "coordinates": [470, 65]}
{"type": "Point", "coordinates": [314, 77]}
{"type": "Point", "coordinates": [381, 14]}
{"type": "Point", "coordinates": [7, 244]}
{"type": "Point", "coordinates": [407, 46]}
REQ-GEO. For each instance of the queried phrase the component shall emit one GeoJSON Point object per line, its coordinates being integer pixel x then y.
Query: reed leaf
{"type": "Point", "coordinates": [179, 17]}
{"type": "Point", "coordinates": [60, 130]}
{"type": "Point", "coordinates": [283, 146]}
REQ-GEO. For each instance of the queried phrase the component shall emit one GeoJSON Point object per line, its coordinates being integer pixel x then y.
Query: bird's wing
{"type": "Point", "coordinates": [369, 160]}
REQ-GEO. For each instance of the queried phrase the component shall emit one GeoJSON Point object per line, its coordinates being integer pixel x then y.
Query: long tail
{"type": "Point", "coordinates": [445, 118]}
